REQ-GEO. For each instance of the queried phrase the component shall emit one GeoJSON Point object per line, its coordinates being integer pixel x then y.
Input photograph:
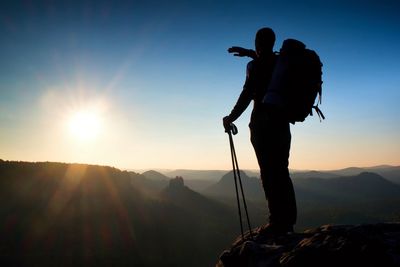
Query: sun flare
{"type": "Point", "coordinates": [85, 124]}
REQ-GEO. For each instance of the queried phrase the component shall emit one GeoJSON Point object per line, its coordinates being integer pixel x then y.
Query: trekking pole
{"type": "Point", "coordinates": [236, 175]}
{"type": "Point", "coordinates": [233, 130]}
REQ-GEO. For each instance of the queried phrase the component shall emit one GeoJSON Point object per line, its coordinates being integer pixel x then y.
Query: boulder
{"type": "Point", "coordinates": [328, 245]}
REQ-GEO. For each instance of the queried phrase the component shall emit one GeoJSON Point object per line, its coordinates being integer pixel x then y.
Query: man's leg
{"type": "Point", "coordinates": [272, 144]}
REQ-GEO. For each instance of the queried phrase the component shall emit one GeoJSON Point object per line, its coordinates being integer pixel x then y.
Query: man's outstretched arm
{"type": "Point", "coordinates": [242, 52]}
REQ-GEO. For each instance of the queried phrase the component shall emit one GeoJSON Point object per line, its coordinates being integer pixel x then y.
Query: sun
{"type": "Point", "coordinates": [85, 125]}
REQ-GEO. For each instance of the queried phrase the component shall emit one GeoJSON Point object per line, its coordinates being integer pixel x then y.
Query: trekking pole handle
{"type": "Point", "coordinates": [232, 129]}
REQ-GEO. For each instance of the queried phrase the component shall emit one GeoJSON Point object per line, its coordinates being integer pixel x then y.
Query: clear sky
{"type": "Point", "coordinates": [145, 84]}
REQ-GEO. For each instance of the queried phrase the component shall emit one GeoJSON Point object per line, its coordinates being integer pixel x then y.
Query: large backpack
{"type": "Point", "coordinates": [297, 78]}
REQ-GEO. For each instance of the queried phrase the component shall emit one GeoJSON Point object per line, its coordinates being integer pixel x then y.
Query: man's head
{"type": "Point", "coordinates": [265, 40]}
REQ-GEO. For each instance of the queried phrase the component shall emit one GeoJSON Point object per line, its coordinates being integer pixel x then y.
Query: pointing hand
{"type": "Point", "coordinates": [242, 52]}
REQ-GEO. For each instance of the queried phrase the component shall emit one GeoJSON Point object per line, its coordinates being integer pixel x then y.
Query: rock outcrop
{"type": "Point", "coordinates": [176, 183]}
{"type": "Point", "coordinates": [329, 245]}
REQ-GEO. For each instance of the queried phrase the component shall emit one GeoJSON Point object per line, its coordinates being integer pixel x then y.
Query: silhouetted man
{"type": "Point", "coordinates": [270, 132]}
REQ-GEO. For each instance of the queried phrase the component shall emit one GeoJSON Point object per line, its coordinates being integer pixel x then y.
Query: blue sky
{"type": "Point", "coordinates": [159, 79]}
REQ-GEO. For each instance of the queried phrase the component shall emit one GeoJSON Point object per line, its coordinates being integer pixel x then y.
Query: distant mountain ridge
{"type": "Point", "coordinates": [225, 186]}
{"type": "Point", "coordinates": [213, 175]}
{"type": "Point", "coordinates": [345, 199]}
{"type": "Point", "coordinates": [366, 185]}
{"type": "Point", "coordinates": [389, 172]}
{"type": "Point", "coordinates": [313, 174]}
{"type": "Point", "coordinates": [155, 175]}
{"type": "Point", "coordinates": [184, 197]}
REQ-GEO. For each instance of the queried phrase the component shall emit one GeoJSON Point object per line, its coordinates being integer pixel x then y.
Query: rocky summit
{"type": "Point", "coordinates": [329, 245]}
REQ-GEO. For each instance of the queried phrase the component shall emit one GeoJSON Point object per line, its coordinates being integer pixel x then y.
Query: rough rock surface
{"type": "Point", "coordinates": [341, 245]}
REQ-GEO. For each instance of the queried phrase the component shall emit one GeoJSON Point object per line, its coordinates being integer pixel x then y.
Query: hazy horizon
{"type": "Point", "coordinates": [145, 84]}
{"type": "Point", "coordinates": [256, 170]}
{"type": "Point", "coordinates": [166, 170]}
